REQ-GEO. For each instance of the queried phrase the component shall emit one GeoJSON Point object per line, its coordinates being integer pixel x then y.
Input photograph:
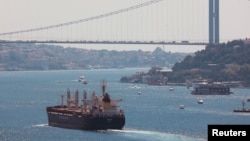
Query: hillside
{"type": "Point", "coordinates": [223, 62]}
{"type": "Point", "coordinates": [50, 57]}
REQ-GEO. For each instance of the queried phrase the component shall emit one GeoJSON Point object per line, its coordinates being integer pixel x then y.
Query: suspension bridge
{"type": "Point", "coordinates": [165, 22]}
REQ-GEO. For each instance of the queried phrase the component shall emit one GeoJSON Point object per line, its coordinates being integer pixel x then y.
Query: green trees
{"type": "Point", "coordinates": [222, 62]}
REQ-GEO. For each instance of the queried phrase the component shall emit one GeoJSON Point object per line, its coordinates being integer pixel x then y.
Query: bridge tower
{"type": "Point", "coordinates": [213, 21]}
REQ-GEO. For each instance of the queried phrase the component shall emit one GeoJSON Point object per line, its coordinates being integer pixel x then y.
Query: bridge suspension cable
{"type": "Point", "coordinates": [86, 19]}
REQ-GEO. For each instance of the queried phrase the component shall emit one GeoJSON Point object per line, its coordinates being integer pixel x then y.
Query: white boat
{"type": "Point", "coordinates": [200, 101]}
{"type": "Point", "coordinates": [181, 106]}
{"type": "Point", "coordinates": [135, 87]}
{"type": "Point", "coordinates": [82, 79]}
{"type": "Point", "coordinates": [171, 89]}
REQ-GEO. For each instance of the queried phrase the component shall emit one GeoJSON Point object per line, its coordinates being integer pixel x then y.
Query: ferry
{"type": "Point", "coordinates": [211, 89]}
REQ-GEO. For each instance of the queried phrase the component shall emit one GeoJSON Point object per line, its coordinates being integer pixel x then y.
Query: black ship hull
{"type": "Point", "coordinates": [86, 122]}
{"type": "Point", "coordinates": [242, 110]}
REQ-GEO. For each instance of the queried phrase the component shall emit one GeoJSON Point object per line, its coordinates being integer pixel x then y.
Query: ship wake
{"type": "Point", "coordinates": [152, 135]}
{"type": "Point", "coordinates": [40, 125]}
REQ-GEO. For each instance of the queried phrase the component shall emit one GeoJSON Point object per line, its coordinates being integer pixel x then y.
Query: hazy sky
{"type": "Point", "coordinates": [27, 14]}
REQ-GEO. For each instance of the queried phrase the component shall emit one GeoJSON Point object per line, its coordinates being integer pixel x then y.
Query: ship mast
{"type": "Point", "coordinates": [103, 87]}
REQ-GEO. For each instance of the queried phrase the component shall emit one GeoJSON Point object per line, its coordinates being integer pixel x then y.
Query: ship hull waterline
{"type": "Point", "coordinates": [86, 122]}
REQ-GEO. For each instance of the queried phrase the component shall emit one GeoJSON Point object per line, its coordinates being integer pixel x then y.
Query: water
{"type": "Point", "coordinates": [154, 115]}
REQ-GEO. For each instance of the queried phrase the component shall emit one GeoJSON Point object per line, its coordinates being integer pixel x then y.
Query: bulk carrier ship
{"type": "Point", "coordinates": [96, 113]}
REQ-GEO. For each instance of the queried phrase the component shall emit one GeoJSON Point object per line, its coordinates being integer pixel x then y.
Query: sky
{"type": "Point", "coordinates": [181, 20]}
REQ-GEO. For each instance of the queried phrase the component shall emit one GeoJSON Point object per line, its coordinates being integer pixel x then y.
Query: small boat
{"type": "Point", "coordinates": [200, 101]}
{"type": "Point", "coordinates": [248, 99]}
{"type": "Point", "coordinates": [135, 87]}
{"type": "Point", "coordinates": [82, 79]}
{"type": "Point", "coordinates": [181, 106]}
{"type": "Point", "coordinates": [171, 89]}
{"type": "Point", "coordinates": [243, 109]}
{"type": "Point", "coordinates": [139, 92]}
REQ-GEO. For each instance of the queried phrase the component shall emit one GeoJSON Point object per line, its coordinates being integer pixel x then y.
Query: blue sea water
{"type": "Point", "coordinates": [154, 115]}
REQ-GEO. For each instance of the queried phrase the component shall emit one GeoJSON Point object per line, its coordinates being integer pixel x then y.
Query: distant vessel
{"type": "Point", "coordinates": [97, 113]}
{"type": "Point", "coordinates": [139, 92]}
{"type": "Point", "coordinates": [171, 89]}
{"type": "Point", "coordinates": [211, 89]}
{"type": "Point", "coordinates": [200, 101]}
{"type": "Point", "coordinates": [248, 99]}
{"type": "Point", "coordinates": [82, 79]}
{"type": "Point", "coordinates": [181, 106]}
{"type": "Point", "coordinates": [243, 109]}
{"type": "Point", "coordinates": [135, 86]}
